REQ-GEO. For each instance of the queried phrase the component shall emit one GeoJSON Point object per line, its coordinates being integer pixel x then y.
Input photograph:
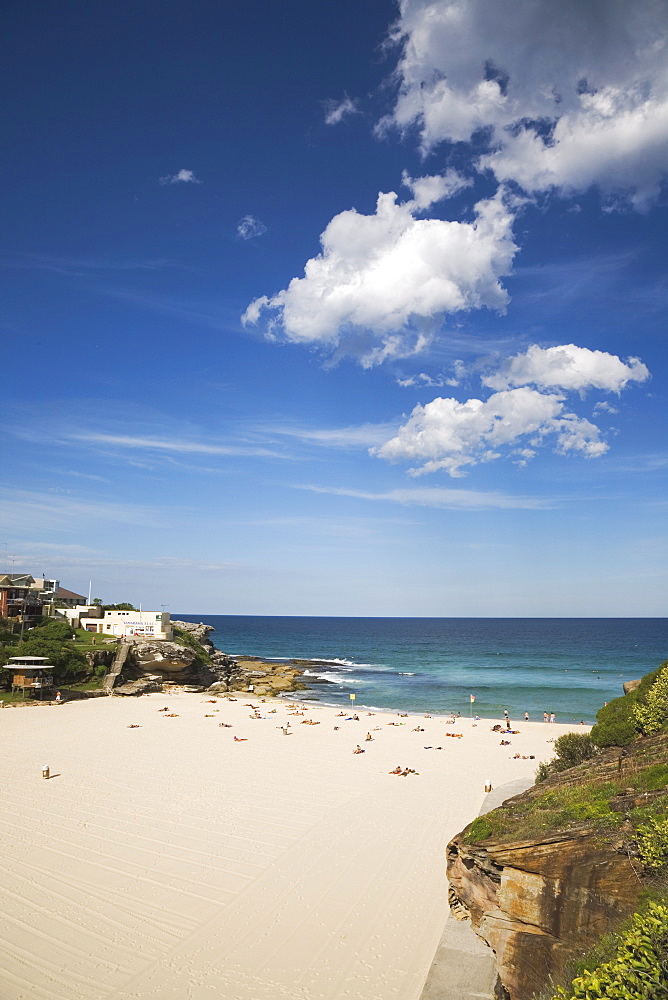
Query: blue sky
{"type": "Point", "coordinates": [345, 308]}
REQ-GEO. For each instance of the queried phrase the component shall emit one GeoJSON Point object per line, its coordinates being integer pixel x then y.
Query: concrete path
{"type": "Point", "coordinates": [463, 966]}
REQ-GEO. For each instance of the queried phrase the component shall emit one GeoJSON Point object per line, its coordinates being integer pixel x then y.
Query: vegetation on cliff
{"type": "Point", "coordinates": [602, 802]}
{"type": "Point", "coordinates": [53, 639]}
{"type": "Point", "coordinates": [184, 638]}
{"type": "Point", "coordinates": [643, 711]}
{"type": "Point", "coordinates": [638, 970]}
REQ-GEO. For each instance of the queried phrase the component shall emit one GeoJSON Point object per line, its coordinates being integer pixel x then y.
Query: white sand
{"type": "Point", "coordinates": [170, 862]}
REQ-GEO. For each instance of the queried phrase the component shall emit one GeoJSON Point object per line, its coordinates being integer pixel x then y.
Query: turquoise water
{"type": "Point", "coordinates": [569, 666]}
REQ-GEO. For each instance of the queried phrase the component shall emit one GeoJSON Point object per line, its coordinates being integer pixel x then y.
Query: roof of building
{"type": "Point", "coordinates": [16, 580]}
{"type": "Point", "coordinates": [68, 595]}
{"type": "Point", "coordinates": [28, 659]}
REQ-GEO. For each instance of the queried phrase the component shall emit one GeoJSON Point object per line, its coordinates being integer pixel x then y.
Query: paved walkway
{"type": "Point", "coordinates": [463, 966]}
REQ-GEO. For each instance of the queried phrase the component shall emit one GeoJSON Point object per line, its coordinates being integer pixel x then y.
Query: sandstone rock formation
{"type": "Point", "coordinates": [541, 900]}
{"type": "Point", "coordinates": [537, 904]}
{"type": "Point", "coordinates": [166, 657]}
{"type": "Point", "coordinates": [152, 663]}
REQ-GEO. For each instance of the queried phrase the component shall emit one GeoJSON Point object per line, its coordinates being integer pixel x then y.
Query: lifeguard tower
{"type": "Point", "coordinates": [32, 674]}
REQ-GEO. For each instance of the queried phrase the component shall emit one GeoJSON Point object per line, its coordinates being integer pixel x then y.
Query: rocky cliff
{"type": "Point", "coordinates": [192, 660]}
{"type": "Point", "coordinates": [544, 876]}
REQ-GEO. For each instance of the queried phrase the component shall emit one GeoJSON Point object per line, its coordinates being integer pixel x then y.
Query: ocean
{"type": "Point", "coordinates": [569, 666]}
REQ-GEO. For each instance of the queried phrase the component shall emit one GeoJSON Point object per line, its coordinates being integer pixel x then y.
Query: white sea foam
{"type": "Point", "coordinates": [325, 675]}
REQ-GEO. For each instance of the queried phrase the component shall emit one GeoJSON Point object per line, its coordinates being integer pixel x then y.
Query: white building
{"type": "Point", "coordinates": [144, 624]}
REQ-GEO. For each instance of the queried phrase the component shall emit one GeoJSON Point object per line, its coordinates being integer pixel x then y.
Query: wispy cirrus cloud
{"type": "Point", "coordinates": [180, 177]}
{"type": "Point", "coordinates": [172, 444]}
{"type": "Point", "coordinates": [436, 496]}
{"type": "Point", "coordinates": [336, 111]}
{"type": "Point", "coordinates": [23, 509]}
{"type": "Point", "coordinates": [80, 266]}
{"type": "Point", "coordinates": [360, 436]}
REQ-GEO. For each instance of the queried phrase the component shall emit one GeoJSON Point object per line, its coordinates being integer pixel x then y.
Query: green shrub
{"type": "Point", "coordinates": [651, 715]}
{"type": "Point", "coordinates": [652, 840]}
{"type": "Point", "coordinates": [571, 749]}
{"type": "Point", "coordinates": [639, 970]}
{"type": "Point", "coordinates": [615, 723]}
{"type": "Point", "coordinates": [58, 631]}
{"type": "Point", "coordinates": [542, 771]}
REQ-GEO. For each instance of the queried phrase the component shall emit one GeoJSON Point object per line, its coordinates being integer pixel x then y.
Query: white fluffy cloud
{"type": "Point", "coordinates": [336, 111]}
{"type": "Point", "coordinates": [182, 177]}
{"type": "Point", "coordinates": [249, 227]}
{"type": "Point", "coordinates": [387, 273]}
{"type": "Point", "coordinates": [446, 434]}
{"type": "Point", "coordinates": [430, 189]}
{"type": "Point", "coordinates": [567, 367]}
{"type": "Point", "coordinates": [573, 93]}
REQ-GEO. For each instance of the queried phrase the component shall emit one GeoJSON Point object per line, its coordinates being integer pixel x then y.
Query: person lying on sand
{"type": "Point", "coordinates": [134, 726]}
{"type": "Point", "coordinates": [171, 715]}
{"type": "Point", "coordinates": [241, 739]}
{"type": "Point", "coordinates": [225, 725]}
{"type": "Point", "coordinates": [209, 717]}
{"type": "Point", "coordinates": [340, 714]}
{"type": "Point", "coordinates": [418, 729]}
{"type": "Point", "coordinates": [358, 749]}
{"type": "Point", "coordinates": [397, 770]}
{"type": "Point", "coordinates": [211, 701]}
{"type": "Point", "coordinates": [165, 709]}
{"type": "Point", "coordinates": [504, 743]}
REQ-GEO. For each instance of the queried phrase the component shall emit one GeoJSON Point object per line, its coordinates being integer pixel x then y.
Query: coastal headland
{"type": "Point", "coordinates": [194, 845]}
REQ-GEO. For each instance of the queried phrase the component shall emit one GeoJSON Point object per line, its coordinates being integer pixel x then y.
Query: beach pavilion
{"type": "Point", "coordinates": [31, 673]}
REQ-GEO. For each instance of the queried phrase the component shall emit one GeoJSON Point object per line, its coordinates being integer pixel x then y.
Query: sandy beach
{"type": "Point", "coordinates": [165, 859]}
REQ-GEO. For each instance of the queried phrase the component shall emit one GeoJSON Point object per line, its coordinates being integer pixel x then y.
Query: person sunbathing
{"type": "Point", "coordinates": [418, 729]}
{"type": "Point", "coordinates": [358, 749]}
{"type": "Point", "coordinates": [171, 715]}
{"type": "Point", "coordinates": [134, 726]}
{"type": "Point", "coordinates": [368, 737]}
{"type": "Point", "coordinates": [165, 709]}
{"type": "Point", "coordinates": [225, 725]}
{"type": "Point", "coordinates": [397, 770]}
{"type": "Point", "coordinates": [240, 739]}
